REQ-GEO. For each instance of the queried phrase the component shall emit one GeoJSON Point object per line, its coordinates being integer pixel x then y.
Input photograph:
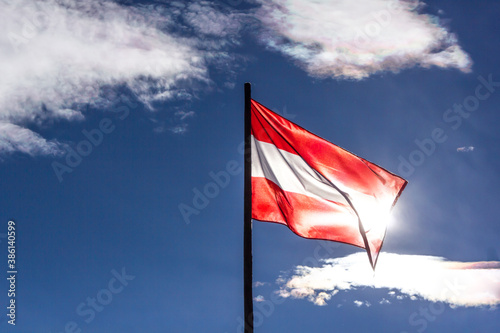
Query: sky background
{"type": "Point", "coordinates": [164, 80]}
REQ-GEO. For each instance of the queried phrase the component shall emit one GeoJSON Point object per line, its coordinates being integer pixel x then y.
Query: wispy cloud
{"type": "Point", "coordinates": [407, 276]}
{"type": "Point", "coordinates": [354, 39]}
{"type": "Point", "coordinates": [466, 149]}
{"type": "Point", "coordinates": [14, 138]}
{"type": "Point", "coordinates": [58, 54]}
{"type": "Point", "coordinates": [184, 114]}
{"type": "Point", "coordinates": [384, 301]}
{"type": "Point", "coordinates": [212, 22]}
{"type": "Point", "coordinates": [179, 129]}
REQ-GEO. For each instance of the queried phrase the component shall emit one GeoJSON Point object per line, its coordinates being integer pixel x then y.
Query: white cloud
{"type": "Point", "coordinates": [466, 149]}
{"type": "Point", "coordinates": [58, 54]}
{"type": "Point", "coordinates": [14, 138]}
{"type": "Point", "coordinates": [321, 298]}
{"type": "Point", "coordinates": [361, 303]}
{"type": "Point", "coordinates": [260, 284]}
{"type": "Point", "coordinates": [432, 278]}
{"type": "Point", "coordinates": [259, 298]}
{"type": "Point", "coordinates": [354, 39]}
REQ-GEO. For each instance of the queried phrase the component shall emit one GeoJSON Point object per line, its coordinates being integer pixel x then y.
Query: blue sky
{"type": "Point", "coordinates": [158, 88]}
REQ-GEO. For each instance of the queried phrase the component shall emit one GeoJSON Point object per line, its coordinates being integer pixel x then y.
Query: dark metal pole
{"type": "Point", "coordinates": [247, 225]}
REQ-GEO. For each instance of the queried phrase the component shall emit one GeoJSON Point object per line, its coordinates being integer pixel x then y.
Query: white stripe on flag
{"type": "Point", "coordinates": [290, 172]}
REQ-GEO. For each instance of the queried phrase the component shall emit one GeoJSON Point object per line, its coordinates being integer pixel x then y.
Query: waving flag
{"type": "Point", "coordinates": [316, 188]}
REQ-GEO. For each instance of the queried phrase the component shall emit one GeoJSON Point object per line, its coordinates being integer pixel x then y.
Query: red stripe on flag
{"type": "Point", "coordinates": [308, 217]}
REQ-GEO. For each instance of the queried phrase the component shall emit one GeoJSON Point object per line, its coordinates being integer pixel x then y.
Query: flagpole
{"type": "Point", "coordinates": [247, 225]}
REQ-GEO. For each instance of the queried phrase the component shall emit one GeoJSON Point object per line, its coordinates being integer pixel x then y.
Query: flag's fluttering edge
{"type": "Point", "coordinates": [316, 188]}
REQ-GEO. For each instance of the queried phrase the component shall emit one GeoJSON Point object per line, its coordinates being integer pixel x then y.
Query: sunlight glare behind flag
{"type": "Point", "coordinates": [316, 188]}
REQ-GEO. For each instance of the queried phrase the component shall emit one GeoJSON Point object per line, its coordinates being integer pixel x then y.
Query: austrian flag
{"type": "Point", "coordinates": [316, 188]}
